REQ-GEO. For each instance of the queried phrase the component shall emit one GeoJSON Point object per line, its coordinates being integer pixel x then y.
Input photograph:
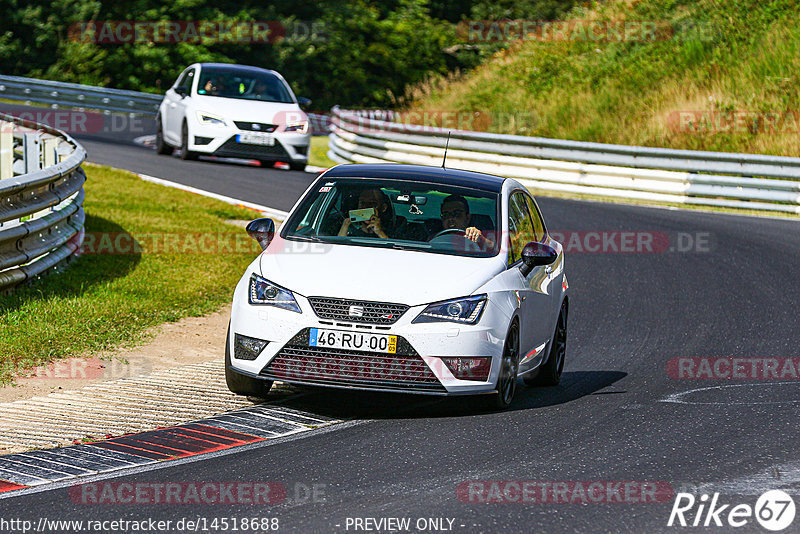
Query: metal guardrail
{"type": "Point", "coordinates": [75, 95]}
{"type": "Point", "coordinates": [676, 176]}
{"type": "Point", "coordinates": [41, 199]}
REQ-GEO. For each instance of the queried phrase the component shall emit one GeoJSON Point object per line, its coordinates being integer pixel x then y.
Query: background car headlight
{"type": "Point", "coordinates": [262, 291]}
{"type": "Point", "coordinates": [209, 119]}
{"type": "Point", "coordinates": [298, 127]}
{"type": "Point", "coordinates": [466, 310]}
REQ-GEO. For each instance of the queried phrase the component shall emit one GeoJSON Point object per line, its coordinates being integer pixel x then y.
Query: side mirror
{"type": "Point", "coordinates": [181, 91]}
{"type": "Point", "coordinates": [303, 102]}
{"type": "Point", "coordinates": [535, 254]}
{"type": "Point", "coordinates": [262, 230]}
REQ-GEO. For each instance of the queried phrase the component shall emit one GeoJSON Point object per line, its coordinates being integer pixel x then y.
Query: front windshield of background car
{"type": "Point", "coordinates": [242, 85]}
{"type": "Point", "coordinates": [413, 215]}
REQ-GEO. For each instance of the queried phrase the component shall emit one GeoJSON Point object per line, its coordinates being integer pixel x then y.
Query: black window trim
{"type": "Point", "coordinates": [544, 227]}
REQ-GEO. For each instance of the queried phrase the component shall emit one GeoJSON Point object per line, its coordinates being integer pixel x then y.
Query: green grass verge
{"type": "Point", "coordinates": [104, 301]}
{"type": "Point", "coordinates": [318, 155]}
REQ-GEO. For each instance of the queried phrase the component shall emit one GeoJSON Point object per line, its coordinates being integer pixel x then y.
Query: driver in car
{"type": "Point", "coordinates": [456, 216]}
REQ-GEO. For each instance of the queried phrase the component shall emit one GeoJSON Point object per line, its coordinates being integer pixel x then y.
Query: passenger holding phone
{"type": "Point", "coordinates": [382, 223]}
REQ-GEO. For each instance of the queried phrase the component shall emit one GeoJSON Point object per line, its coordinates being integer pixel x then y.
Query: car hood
{"type": "Point", "coordinates": [246, 110]}
{"type": "Point", "coordinates": [371, 273]}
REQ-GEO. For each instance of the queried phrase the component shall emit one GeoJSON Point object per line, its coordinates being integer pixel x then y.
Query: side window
{"type": "Point", "coordinates": [520, 226]}
{"type": "Point", "coordinates": [538, 222]}
{"type": "Point", "coordinates": [185, 80]}
{"type": "Point", "coordinates": [181, 79]}
{"type": "Point", "coordinates": [189, 80]}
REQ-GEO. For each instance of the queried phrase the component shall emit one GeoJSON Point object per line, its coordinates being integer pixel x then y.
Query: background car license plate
{"type": "Point", "coordinates": [256, 139]}
{"type": "Point", "coordinates": [338, 339]}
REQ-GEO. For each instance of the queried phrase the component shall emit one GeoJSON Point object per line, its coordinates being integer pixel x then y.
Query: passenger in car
{"type": "Point", "coordinates": [383, 224]}
{"type": "Point", "coordinates": [456, 216]}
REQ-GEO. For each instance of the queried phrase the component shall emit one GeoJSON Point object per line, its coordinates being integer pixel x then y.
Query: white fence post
{"type": "Point", "coordinates": [6, 150]}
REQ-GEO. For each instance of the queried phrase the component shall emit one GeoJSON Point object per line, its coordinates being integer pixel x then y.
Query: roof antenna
{"type": "Point", "coordinates": [445, 149]}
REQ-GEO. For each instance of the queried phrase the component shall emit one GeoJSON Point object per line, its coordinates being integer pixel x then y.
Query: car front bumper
{"type": "Point", "coordinates": [221, 141]}
{"type": "Point", "coordinates": [416, 367]}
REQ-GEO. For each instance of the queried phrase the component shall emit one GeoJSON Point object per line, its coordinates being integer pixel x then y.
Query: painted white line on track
{"type": "Point", "coordinates": [278, 214]}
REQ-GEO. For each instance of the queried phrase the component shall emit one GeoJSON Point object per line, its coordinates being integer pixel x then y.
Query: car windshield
{"type": "Point", "coordinates": [243, 85]}
{"type": "Point", "coordinates": [412, 215]}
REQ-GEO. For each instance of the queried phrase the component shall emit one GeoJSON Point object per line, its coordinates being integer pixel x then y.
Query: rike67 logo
{"type": "Point", "coordinates": [774, 510]}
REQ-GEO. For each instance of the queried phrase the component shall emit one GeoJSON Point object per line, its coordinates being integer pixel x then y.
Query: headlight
{"type": "Point", "coordinates": [262, 291]}
{"type": "Point", "coordinates": [299, 127]}
{"type": "Point", "coordinates": [210, 120]}
{"type": "Point", "coordinates": [466, 310]}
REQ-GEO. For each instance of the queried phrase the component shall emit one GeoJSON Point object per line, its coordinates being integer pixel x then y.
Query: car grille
{"type": "Point", "coordinates": [324, 366]}
{"type": "Point", "coordinates": [379, 313]}
{"type": "Point", "coordinates": [231, 148]}
{"type": "Point", "coordinates": [262, 127]}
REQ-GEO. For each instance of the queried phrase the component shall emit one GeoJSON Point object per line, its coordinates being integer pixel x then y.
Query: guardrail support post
{"type": "Point", "coordinates": [50, 152]}
{"type": "Point", "coordinates": [6, 150]}
{"type": "Point", "coordinates": [31, 145]}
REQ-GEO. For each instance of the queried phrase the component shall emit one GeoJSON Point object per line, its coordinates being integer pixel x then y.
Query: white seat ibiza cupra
{"type": "Point", "coordinates": [237, 111]}
{"type": "Point", "coordinates": [403, 278]}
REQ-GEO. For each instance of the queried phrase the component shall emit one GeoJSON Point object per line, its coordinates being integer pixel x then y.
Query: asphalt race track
{"type": "Point", "coordinates": [621, 414]}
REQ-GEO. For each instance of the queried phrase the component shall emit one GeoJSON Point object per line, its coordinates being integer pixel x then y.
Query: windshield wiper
{"type": "Point", "coordinates": [311, 238]}
{"type": "Point", "coordinates": [391, 244]}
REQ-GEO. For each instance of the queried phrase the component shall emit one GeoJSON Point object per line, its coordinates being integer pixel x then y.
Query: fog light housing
{"type": "Point", "coordinates": [469, 368]}
{"type": "Point", "coordinates": [247, 348]}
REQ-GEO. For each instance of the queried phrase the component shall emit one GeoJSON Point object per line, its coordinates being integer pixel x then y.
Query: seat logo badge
{"type": "Point", "coordinates": [356, 311]}
{"type": "Point", "coordinates": [256, 126]}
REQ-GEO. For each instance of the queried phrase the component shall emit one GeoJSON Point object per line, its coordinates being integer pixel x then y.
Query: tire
{"type": "Point", "coordinates": [507, 381]}
{"type": "Point", "coordinates": [162, 148]}
{"type": "Point", "coordinates": [185, 154]}
{"type": "Point", "coordinates": [297, 166]}
{"type": "Point", "coordinates": [550, 373]}
{"type": "Point", "coordinates": [243, 384]}
{"type": "Point", "coordinates": [267, 164]}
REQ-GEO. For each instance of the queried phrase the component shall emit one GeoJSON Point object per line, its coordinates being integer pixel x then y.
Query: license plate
{"type": "Point", "coordinates": [337, 339]}
{"type": "Point", "coordinates": [256, 139]}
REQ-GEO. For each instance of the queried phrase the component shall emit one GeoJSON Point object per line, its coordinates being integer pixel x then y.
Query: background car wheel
{"type": "Point", "coordinates": [185, 153]}
{"type": "Point", "coordinates": [297, 166]}
{"type": "Point", "coordinates": [267, 164]}
{"type": "Point", "coordinates": [161, 147]}
{"type": "Point", "coordinates": [243, 384]}
{"type": "Point", "coordinates": [550, 373]}
{"type": "Point", "coordinates": [507, 381]}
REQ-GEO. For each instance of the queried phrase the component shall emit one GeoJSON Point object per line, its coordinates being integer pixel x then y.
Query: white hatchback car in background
{"type": "Point", "coordinates": [234, 111]}
{"type": "Point", "coordinates": [402, 278]}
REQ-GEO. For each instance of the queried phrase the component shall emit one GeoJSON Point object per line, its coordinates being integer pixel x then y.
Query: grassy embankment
{"type": "Point", "coordinates": [190, 262]}
{"type": "Point", "coordinates": [714, 61]}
